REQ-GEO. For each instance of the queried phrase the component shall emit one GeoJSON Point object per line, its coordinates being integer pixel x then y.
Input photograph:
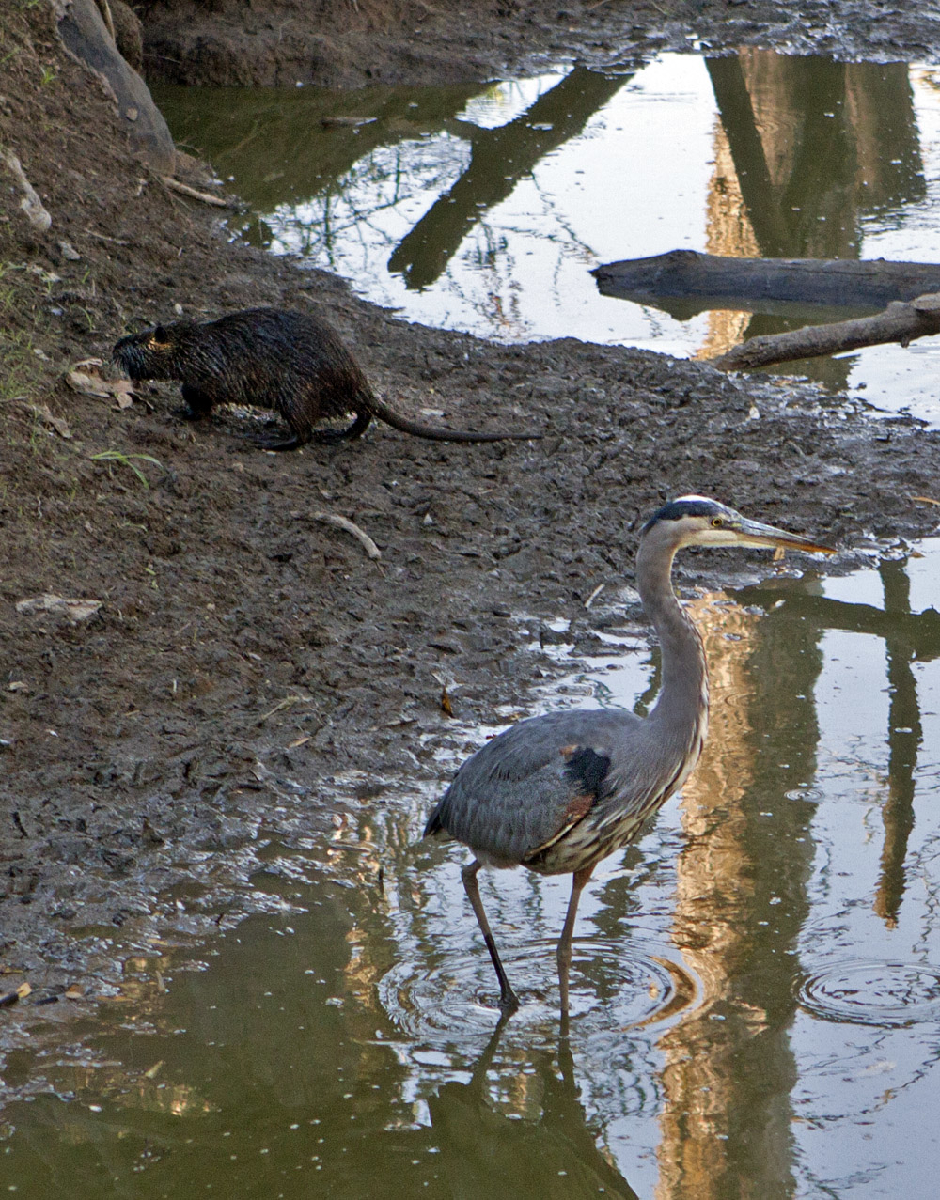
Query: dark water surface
{"type": "Point", "coordinates": [755, 989]}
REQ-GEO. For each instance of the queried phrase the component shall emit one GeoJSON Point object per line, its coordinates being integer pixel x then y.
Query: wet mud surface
{"type": "Point", "coordinates": [451, 42]}
{"type": "Point", "coordinates": [247, 655]}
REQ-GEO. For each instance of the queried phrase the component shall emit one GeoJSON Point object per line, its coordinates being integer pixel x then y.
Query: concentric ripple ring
{"type": "Point", "coordinates": [874, 993]}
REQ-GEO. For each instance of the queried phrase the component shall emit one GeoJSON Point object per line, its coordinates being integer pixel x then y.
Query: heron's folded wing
{"type": "Point", "coordinates": [524, 788]}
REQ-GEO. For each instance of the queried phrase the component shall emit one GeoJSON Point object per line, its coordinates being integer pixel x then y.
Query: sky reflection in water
{"type": "Point", "coordinates": [484, 210]}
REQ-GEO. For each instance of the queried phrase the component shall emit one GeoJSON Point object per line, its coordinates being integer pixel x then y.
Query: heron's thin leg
{"type": "Point", "coordinates": [563, 950]}
{"type": "Point", "coordinates": [508, 1000]}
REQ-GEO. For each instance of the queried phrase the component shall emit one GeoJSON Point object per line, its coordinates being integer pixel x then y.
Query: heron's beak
{"type": "Point", "coordinates": [755, 533]}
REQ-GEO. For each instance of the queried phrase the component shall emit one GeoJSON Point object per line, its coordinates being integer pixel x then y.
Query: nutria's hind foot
{"type": "Point", "coordinates": [196, 404]}
{"type": "Point", "coordinates": [188, 413]}
{"type": "Point", "coordinates": [355, 430]}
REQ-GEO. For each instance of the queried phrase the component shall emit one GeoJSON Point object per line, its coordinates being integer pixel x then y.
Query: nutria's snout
{"type": "Point", "coordinates": [161, 352]}
{"type": "Point", "coordinates": [132, 354]}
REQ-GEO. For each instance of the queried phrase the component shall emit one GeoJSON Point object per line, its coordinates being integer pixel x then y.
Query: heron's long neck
{"type": "Point", "coordinates": [682, 707]}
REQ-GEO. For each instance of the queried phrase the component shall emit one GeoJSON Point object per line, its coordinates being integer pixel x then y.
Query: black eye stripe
{"type": "Point", "coordinates": [678, 509]}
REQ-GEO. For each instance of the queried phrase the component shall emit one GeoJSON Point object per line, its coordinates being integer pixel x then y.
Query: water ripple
{"type": "Point", "coordinates": [613, 985]}
{"type": "Point", "coordinates": [874, 993]}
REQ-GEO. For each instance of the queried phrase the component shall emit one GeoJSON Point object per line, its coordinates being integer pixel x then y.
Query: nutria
{"type": "Point", "coordinates": [271, 358]}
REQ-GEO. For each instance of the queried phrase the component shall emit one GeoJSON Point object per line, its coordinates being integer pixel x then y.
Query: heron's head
{"type": "Point", "coordinates": [698, 521]}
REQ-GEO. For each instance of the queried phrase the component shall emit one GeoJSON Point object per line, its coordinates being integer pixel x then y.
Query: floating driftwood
{"type": "Point", "coordinates": [900, 322]}
{"type": "Point", "coordinates": [744, 282]}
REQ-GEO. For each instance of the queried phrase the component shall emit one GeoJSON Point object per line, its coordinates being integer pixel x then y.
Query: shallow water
{"type": "Point", "coordinates": [484, 209]}
{"type": "Point", "coordinates": [756, 983]}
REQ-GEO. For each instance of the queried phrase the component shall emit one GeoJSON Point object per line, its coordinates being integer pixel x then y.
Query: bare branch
{"type": "Point", "coordinates": [900, 322]}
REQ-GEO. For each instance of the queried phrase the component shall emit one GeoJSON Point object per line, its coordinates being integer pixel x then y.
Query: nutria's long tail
{"type": "Point", "coordinates": [380, 409]}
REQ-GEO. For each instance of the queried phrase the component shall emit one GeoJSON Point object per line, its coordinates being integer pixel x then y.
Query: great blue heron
{"type": "Point", "coordinates": [559, 792]}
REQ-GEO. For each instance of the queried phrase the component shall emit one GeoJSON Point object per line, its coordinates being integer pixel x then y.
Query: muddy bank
{"type": "Point", "coordinates": [336, 44]}
{"type": "Point", "coordinates": [245, 655]}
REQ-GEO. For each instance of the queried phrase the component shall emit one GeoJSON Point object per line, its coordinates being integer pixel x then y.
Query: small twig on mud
{"type": "Point", "coordinates": [371, 548]}
{"type": "Point", "coordinates": [593, 596]}
{"type": "Point", "coordinates": [925, 500]}
{"type": "Point", "coordinates": [103, 237]}
{"type": "Point", "coordinates": [285, 703]}
{"type": "Point", "coordinates": [185, 190]}
{"type": "Point", "coordinates": [105, 9]}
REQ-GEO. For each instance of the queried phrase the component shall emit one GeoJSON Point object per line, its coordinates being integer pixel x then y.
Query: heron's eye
{"type": "Point", "coordinates": [717, 522]}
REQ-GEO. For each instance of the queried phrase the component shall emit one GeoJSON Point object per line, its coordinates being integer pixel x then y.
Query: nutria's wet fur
{"type": "Point", "coordinates": [272, 358]}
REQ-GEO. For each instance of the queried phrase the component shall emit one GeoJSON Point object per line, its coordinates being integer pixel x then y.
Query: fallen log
{"type": "Point", "coordinates": [847, 282]}
{"type": "Point", "coordinates": [900, 322]}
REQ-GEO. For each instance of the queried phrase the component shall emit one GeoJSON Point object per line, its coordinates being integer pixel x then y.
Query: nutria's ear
{"type": "Point", "coordinates": [157, 339]}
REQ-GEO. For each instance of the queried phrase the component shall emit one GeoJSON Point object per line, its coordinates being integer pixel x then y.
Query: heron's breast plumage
{"type": "Point", "coordinates": [631, 794]}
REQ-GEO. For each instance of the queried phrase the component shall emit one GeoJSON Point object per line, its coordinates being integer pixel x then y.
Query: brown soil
{"type": "Point", "coordinates": [241, 643]}
{"type": "Point", "coordinates": [346, 42]}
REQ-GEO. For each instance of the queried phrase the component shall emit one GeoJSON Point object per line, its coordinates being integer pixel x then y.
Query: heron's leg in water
{"type": "Point", "coordinates": [563, 950]}
{"type": "Point", "coordinates": [508, 1000]}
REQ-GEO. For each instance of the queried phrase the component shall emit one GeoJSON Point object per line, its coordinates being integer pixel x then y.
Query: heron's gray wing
{"type": "Point", "coordinates": [521, 791]}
